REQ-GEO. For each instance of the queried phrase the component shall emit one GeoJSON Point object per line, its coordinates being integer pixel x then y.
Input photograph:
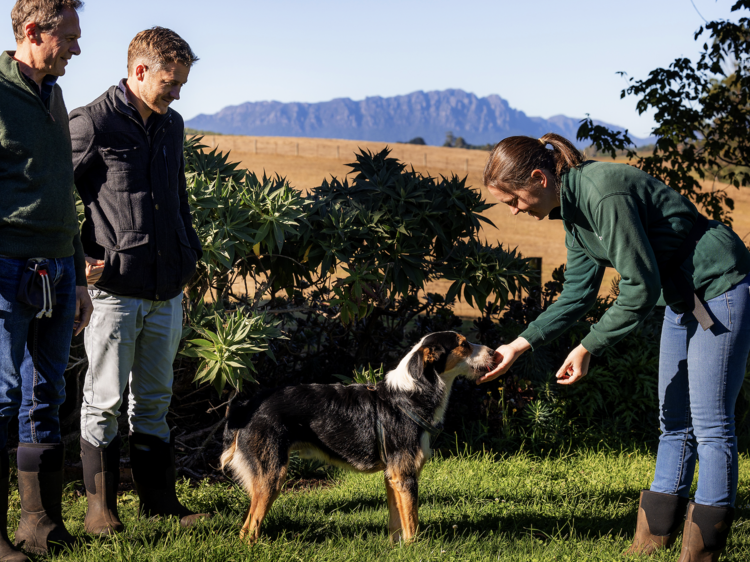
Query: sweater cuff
{"type": "Point", "coordinates": [534, 336]}
{"type": "Point", "coordinates": [593, 345]}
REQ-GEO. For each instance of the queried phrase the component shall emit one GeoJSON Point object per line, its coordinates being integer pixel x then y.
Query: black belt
{"type": "Point", "coordinates": [671, 270]}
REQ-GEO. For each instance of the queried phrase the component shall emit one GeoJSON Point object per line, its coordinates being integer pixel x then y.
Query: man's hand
{"type": "Point", "coordinates": [94, 270]}
{"type": "Point", "coordinates": [84, 308]}
{"type": "Point", "coordinates": [505, 356]}
{"type": "Point", "coordinates": [575, 367]}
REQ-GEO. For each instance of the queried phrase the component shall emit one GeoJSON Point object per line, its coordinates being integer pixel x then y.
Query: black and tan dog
{"type": "Point", "coordinates": [365, 428]}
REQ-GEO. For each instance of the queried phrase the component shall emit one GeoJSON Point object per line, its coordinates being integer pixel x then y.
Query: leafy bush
{"type": "Point", "coordinates": [341, 269]}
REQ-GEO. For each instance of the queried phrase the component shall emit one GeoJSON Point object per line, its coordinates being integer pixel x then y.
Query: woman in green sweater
{"type": "Point", "coordinates": [666, 253]}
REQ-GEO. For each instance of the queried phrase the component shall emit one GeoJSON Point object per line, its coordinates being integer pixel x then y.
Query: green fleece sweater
{"type": "Point", "coordinates": [618, 216]}
{"type": "Point", "coordinates": [37, 205]}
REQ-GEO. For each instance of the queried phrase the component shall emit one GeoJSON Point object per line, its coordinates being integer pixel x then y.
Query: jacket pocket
{"type": "Point", "coordinates": [127, 263]}
{"type": "Point", "coordinates": [189, 259]}
{"type": "Point", "coordinates": [122, 161]}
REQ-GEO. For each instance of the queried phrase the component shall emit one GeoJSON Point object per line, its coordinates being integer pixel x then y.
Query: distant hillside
{"type": "Point", "coordinates": [400, 118]}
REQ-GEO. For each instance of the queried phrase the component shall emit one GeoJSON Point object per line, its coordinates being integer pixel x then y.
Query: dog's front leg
{"type": "Point", "coordinates": [407, 500]}
{"type": "Point", "coordinates": [394, 519]}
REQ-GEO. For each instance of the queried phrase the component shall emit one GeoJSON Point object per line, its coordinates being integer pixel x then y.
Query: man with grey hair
{"type": "Point", "coordinates": [141, 250]}
{"type": "Point", "coordinates": [43, 296]}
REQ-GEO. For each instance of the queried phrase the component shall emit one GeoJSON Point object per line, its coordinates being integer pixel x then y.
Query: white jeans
{"type": "Point", "coordinates": [129, 340]}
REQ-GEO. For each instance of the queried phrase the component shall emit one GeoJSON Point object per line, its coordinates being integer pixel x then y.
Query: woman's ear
{"type": "Point", "coordinates": [538, 176]}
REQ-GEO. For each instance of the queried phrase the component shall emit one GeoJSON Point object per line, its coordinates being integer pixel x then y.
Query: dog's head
{"type": "Point", "coordinates": [446, 355]}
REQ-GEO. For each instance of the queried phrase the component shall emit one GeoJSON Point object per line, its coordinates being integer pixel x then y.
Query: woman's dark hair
{"type": "Point", "coordinates": [513, 159]}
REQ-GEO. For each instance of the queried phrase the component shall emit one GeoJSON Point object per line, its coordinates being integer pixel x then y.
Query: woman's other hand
{"type": "Point", "coordinates": [575, 367]}
{"type": "Point", "coordinates": [505, 356]}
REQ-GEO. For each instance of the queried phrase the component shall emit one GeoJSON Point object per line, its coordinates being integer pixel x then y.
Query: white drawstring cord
{"type": "Point", "coordinates": [46, 295]}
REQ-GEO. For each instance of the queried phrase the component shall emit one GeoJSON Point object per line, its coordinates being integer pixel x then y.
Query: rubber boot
{"type": "Point", "coordinates": [40, 486]}
{"type": "Point", "coordinates": [153, 465]}
{"type": "Point", "coordinates": [706, 531]}
{"type": "Point", "coordinates": [101, 476]}
{"type": "Point", "coordinates": [660, 518]}
{"type": "Point", "coordinates": [7, 552]}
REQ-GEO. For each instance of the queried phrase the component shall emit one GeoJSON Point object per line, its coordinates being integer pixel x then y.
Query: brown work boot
{"type": "Point", "coordinates": [660, 518]}
{"type": "Point", "coordinates": [152, 461]}
{"type": "Point", "coordinates": [40, 486]}
{"type": "Point", "coordinates": [101, 476]}
{"type": "Point", "coordinates": [706, 531]}
{"type": "Point", "coordinates": [7, 552]}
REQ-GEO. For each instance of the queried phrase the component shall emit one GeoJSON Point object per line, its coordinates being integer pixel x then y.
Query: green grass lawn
{"type": "Point", "coordinates": [577, 506]}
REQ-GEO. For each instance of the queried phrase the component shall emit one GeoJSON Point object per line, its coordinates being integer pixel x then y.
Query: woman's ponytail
{"type": "Point", "coordinates": [513, 159]}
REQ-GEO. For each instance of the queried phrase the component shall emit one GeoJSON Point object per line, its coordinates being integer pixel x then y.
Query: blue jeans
{"type": "Point", "coordinates": [700, 376]}
{"type": "Point", "coordinates": [34, 353]}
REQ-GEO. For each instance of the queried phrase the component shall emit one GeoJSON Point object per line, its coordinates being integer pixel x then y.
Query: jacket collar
{"type": "Point", "coordinates": [11, 71]}
{"type": "Point", "coordinates": [568, 196]}
{"type": "Point", "coordinates": [124, 106]}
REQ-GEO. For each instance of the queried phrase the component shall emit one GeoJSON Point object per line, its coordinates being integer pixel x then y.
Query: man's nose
{"type": "Point", "coordinates": [75, 48]}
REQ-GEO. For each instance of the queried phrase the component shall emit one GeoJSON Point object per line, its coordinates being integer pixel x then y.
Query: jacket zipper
{"type": "Point", "coordinates": [166, 163]}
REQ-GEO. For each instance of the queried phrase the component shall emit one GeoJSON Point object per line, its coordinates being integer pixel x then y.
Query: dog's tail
{"type": "Point", "coordinates": [231, 428]}
{"type": "Point", "coordinates": [240, 412]}
{"type": "Point", "coordinates": [230, 446]}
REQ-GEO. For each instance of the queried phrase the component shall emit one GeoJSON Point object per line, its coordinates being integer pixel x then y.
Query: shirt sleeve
{"type": "Point", "coordinates": [82, 141]}
{"type": "Point", "coordinates": [582, 280]}
{"type": "Point", "coordinates": [620, 224]}
{"type": "Point", "coordinates": [82, 137]}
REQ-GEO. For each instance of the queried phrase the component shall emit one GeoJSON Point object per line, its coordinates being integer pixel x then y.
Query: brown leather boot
{"type": "Point", "coordinates": [101, 476]}
{"type": "Point", "coordinates": [706, 531]}
{"type": "Point", "coordinates": [660, 518]}
{"type": "Point", "coordinates": [153, 465]}
{"type": "Point", "coordinates": [7, 552]}
{"type": "Point", "coordinates": [40, 486]}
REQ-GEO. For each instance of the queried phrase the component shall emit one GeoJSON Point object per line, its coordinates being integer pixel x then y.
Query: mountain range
{"type": "Point", "coordinates": [429, 115]}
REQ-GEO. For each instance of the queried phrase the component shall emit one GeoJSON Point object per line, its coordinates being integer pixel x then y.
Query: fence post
{"type": "Point", "coordinates": [255, 146]}
{"type": "Point", "coordinates": [297, 149]}
{"type": "Point", "coordinates": [425, 158]}
{"type": "Point", "coordinates": [467, 165]}
{"type": "Point", "coordinates": [338, 153]}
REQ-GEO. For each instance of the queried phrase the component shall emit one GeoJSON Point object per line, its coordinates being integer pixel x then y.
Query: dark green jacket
{"type": "Point", "coordinates": [618, 216]}
{"type": "Point", "coordinates": [37, 206]}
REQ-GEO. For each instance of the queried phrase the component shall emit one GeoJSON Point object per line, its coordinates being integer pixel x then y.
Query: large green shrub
{"type": "Point", "coordinates": [332, 279]}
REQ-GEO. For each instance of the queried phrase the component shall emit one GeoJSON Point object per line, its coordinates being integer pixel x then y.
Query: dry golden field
{"type": "Point", "coordinates": [306, 162]}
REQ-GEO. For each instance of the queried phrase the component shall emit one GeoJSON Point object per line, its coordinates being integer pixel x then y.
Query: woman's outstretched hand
{"type": "Point", "coordinates": [575, 367]}
{"type": "Point", "coordinates": [505, 356]}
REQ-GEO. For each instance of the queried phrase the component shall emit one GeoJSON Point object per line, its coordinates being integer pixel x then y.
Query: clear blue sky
{"type": "Point", "coordinates": [546, 57]}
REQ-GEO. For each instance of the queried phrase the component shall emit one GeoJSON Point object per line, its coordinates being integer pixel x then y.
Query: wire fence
{"type": "Point", "coordinates": [419, 156]}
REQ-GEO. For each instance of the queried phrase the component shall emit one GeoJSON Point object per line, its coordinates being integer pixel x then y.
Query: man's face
{"type": "Point", "coordinates": [161, 87]}
{"type": "Point", "coordinates": [58, 46]}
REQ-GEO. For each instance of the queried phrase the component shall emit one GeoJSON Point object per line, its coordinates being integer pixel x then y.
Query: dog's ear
{"type": "Point", "coordinates": [431, 354]}
{"type": "Point", "coordinates": [415, 367]}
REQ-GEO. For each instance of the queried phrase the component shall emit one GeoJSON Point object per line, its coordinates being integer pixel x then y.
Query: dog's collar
{"type": "Point", "coordinates": [432, 430]}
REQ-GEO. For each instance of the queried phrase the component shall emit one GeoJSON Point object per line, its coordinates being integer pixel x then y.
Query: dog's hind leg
{"type": "Point", "coordinates": [407, 500]}
{"type": "Point", "coordinates": [394, 519]}
{"type": "Point", "coordinates": [266, 489]}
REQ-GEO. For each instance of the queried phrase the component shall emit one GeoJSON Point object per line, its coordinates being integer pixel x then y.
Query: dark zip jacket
{"type": "Point", "coordinates": [618, 216]}
{"type": "Point", "coordinates": [132, 182]}
{"type": "Point", "coordinates": [37, 207]}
